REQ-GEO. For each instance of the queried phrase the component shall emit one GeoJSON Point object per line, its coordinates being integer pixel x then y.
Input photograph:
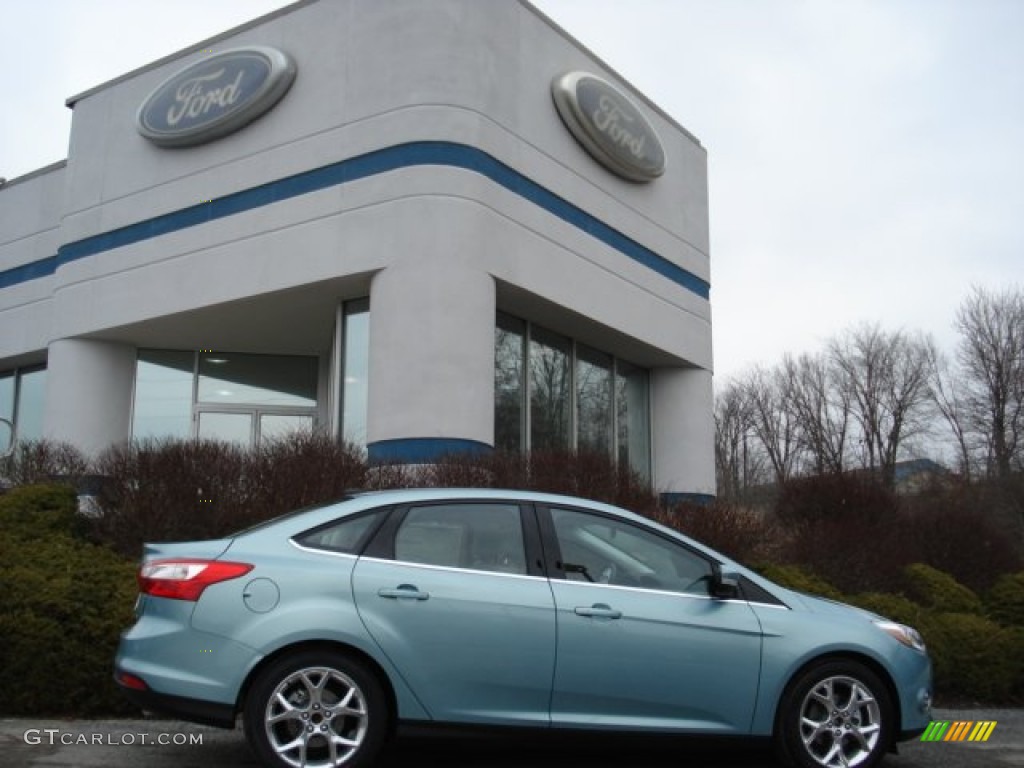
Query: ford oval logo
{"type": "Point", "coordinates": [609, 126]}
{"type": "Point", "coordinates": [215, 96]}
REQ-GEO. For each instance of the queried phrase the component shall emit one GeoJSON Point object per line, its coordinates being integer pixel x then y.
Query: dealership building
{"type": "Point", "coordinates": [424, 226]}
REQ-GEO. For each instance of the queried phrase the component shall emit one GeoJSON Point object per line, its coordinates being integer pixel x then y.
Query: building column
{"type": "Point", "coordinates": [684, 434]}
{"type": "Point", "coordinates": [431, 362]}
{"type": "Point", "coordinates": [89, 393]}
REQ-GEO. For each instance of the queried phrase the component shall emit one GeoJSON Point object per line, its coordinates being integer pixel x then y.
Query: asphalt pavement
{"type": "Point", "coordinates": [170, 744]}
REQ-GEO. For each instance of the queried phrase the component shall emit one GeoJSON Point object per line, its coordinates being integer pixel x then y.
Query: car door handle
{"type": "Point", "coordinates": [404, 592]}
{"type": "Point", "coordinates": [599, 611]}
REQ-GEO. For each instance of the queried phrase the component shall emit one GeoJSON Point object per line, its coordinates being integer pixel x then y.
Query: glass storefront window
{"type": "Point", "coordinates": [226, 427]}
{"type": "Point", "coordinates": [550, 391]}
{"type": "Point", "coordinates": [28, 417]}
{"type": "Point", "coordinates": [593, 401]}
{"type": "Point", "coordinates": [230, 396]}
{"type": "Point", "coordinates": [509, 341]}
{"type": "Point", "coordinates": [233, 378]}
{"type": "Point", "coordinates": [632, 403]}
{"type": "Point", "coordinates": [7, 395]}
{"type": "Point", "coordinates": [553, 393]}
{"type": "Point", "coordinates": [355, 373]}
{"type": "Point", "coordinates": [6, 412]}
{"type": "Point", "coordinates": [163, 394]}
{"type": "Point", "coordinates": [22, 397]}
{"type": "Point", "coordinates": [274, 426]}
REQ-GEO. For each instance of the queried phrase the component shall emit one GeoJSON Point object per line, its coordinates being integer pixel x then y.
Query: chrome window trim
{"type": "Point", "coordinates": [453, 569]}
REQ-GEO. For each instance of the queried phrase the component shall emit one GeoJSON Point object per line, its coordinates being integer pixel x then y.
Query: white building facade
{"type": "Point", "coordinates": [426, 226]}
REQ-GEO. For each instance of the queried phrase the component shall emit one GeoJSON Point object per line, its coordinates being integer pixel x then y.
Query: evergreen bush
{"type": "Point", "coordinates": [937, 590]}
{"type": "Point", "coordinates": [1005, 601]}
{"type": "Point", "coordinates": [64, 604]}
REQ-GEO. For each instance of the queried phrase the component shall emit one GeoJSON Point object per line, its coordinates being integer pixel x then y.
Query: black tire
{"type": "Point", "coordinates": [860, 723]}
{"type": "Point", "coordinates": [335, 705]}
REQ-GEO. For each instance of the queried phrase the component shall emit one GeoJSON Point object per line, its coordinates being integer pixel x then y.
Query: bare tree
{"type": "Point", "coordinates": [885, 375]}
{"type": "Point", "coordinates": [739, 459]}
{"type": "Point", "coordinates": [991, 357]}
{"type": "Point", "coordinates": [772, 420]}
{"type": "Point", "coordinates": [821, 409]}
{"type": "Point", "coordinates": [950, 399]}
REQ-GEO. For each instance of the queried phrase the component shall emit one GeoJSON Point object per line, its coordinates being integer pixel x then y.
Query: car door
{"type": "Point", "coordinates": [640, 641]}
{"type": "Point", "coordinates": [455, 595]}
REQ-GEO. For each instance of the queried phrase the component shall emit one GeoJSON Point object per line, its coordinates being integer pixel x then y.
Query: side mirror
{"type": "Point", "coordinates": [724, 586]}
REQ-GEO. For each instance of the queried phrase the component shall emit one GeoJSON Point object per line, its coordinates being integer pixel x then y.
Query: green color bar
{"type": "Point", "coordinates": [935, 730]}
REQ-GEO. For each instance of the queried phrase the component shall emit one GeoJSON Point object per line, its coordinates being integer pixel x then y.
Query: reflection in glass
{"type": "Point", "coordinates": [226, 427]}
{"type": "Point", "coordinates": [274, 426]}
{"type": "Point", "coordinates": [549, 391]}
{"type": "Point", "coordinates": [163, 394]}
{"type": "Point", "coordinates": [509, 338]}
{"type": "Point", "coordinates": [593, 401]}
{"type": "Point", "coordinates": [7, 396]}
{"type": "Point", "coordinates": [575, 397]}
{"type": "Point", "coordinates": [632, 392]}
{"type": "Point", "coordinates": [277, 380]}
{"type": "Point", "coordinates": [31, 398]}
{"type": "Point", "coordinates": [355, 371]}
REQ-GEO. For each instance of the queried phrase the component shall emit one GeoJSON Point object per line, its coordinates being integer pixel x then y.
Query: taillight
{"type": "Point", "coordinates": [186, 579]}
{"type": "Point", "coordinates": [131, 681]}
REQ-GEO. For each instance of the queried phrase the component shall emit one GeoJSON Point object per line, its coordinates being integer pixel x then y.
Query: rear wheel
{"type": "Point", "coordinates": [316, 708]}
{"type": "Point", "coordinates": [836, 714]}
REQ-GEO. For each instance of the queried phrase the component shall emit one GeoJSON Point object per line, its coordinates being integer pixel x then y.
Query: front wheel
{"type": "Point", "coordinates": [316, 708]}
{"type": "Point", "coordinates": [835, 714]}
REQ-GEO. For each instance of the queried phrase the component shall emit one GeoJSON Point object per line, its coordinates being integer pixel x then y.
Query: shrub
{"type": "Point", "coordinates": [168, 490]}
{"type": "Point", "coordinates": [1005, 601]}
{"type": "Point", "coordinates": [38, 510]}
{"type": "Point", "coordinates": [63, 606]}
{"type": "Point", "coordinates": [935, 589]}
{"type": "Point", "coordinates": [184, 490]}
{"type": "Point", "coordinates": [960, 531]}
{"type": "Point", "coordinates": [974, 657]}
{"type": "Point", "coordinates": [795, 578]}
{"type": "Point", "coordinates": [43, 461]}
{"type": "Point", "coordinates": [843, 527]}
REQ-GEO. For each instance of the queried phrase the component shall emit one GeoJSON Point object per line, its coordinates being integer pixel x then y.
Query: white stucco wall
{"type": "Point", "coordinates": [437, 247]}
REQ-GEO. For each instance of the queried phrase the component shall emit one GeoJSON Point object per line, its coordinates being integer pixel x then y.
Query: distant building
{"type": "Point", "coordinates": [423, 225]}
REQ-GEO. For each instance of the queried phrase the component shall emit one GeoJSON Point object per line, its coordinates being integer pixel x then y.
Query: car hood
{"type": "Point", "coordinates": [823, 605]}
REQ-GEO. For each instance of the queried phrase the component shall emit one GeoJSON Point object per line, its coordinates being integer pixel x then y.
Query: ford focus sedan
{"type": "Point", "coordinates": [325, 628]}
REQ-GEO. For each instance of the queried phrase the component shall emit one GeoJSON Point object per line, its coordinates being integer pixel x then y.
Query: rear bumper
{"type": "Point", "coordinates": [193, 710]}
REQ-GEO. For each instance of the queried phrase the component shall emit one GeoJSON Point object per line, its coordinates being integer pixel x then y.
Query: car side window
{"type": "Point", "coordinates": [345, 535]}
{"type": "Point", "coordinates": [483, 537]}
{"type": "Point", "coordinates": [603, 550]}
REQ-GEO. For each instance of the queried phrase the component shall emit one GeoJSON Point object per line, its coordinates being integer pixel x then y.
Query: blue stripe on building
{"type": "Point", "coordinates": [360, 167]}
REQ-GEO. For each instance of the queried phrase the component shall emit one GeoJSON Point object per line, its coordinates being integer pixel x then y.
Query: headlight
{"type": "Point", "coordinates": [909, 636]}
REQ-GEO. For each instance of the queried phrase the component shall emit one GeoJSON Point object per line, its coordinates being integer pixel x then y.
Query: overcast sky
{"type": "Point", "coordinates": [866, 157]}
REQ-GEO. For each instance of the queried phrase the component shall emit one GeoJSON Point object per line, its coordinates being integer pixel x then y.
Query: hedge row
{"type": "Point", "coordinates": [71, 588]}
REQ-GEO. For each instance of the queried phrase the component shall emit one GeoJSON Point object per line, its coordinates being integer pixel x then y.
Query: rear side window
{"type": "Point", "coordinates": [346, 535]}
{"type": "Point", "coordinates": [482, 537]}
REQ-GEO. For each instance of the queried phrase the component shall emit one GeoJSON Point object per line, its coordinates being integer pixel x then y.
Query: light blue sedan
{"type": "Point", "coordinates": [325, 628]}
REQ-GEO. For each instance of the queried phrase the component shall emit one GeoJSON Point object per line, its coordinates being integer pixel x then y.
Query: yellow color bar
{"type": "Point", "coordinates": [982, 730]}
